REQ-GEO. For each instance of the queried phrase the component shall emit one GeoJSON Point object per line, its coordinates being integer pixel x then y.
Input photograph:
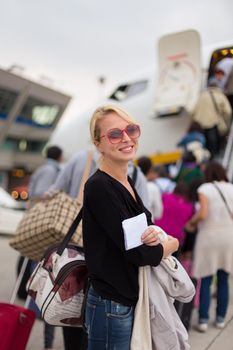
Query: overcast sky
{"type": "Point", "coordinates": [73, 42]}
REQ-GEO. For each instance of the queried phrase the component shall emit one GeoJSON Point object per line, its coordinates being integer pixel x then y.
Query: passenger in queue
{"type": "Point", "coordinates": [213, 113]}
{"type": "Point", "coordinates": [194, 133]}
{"type": "Point", "coordinates": [190, 169]}
{"type": "Point", "coordinates": [155, 205]}
{"type": "Point", "coordinates": [162, 179]}
{"type": "Point", "coordinates": [177, 211]}
{"type": "Point", "coordinates": [224, 74]}
{"type": "Point", "coordinates": [215, 226]}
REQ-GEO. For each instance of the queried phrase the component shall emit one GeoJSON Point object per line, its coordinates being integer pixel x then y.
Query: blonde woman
{"type": "Point", "coordinates": [110, 198]}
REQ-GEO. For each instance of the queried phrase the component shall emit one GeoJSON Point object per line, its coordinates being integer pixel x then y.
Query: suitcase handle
{"type": "Point", "coordinates": [18, 281]}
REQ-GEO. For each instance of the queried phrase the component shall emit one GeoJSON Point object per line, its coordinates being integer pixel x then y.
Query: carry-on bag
{"type": "Point", "coordinates": [15, 321]}
{"type": "Point", "coordinates": [59, 282]}
{"type": "Point", "coordinates": [48, 221]}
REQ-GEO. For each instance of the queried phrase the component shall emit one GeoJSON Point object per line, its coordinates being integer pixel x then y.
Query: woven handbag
{"type": "Point", "coordinates": [59, 281]}
{"type": "Point", "coordinates": [49, 220]}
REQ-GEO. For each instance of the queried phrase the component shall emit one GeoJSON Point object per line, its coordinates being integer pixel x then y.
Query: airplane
{"type": "Point", "coordinates": [161, 101]}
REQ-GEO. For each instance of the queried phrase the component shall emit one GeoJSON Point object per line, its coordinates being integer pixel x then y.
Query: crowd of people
{"type": "Point", "coordinates": [198, 208]}
{"type": "Point", "coordinates": [194, 207]}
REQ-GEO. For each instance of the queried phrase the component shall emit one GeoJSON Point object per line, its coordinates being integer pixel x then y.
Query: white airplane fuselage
{"type": "Point", "coordinates": [159, 134]}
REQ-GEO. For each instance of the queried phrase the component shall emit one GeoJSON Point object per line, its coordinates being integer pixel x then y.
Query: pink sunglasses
{"type": "Point", "coordinates": [116, 135]}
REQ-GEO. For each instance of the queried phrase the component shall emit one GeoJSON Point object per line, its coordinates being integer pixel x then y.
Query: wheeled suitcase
{"type": "Point", "coordinates": [15, 321]}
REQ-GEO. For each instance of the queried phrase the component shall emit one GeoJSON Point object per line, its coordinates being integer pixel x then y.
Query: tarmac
{"type": "Point", "coordinates": [213, 339]}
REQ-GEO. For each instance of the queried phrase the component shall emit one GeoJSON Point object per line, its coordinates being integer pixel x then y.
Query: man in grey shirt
{"type": "Point", "coordinates": [46, 174]}
{"type": "Point", "coordinates": [41, 180]}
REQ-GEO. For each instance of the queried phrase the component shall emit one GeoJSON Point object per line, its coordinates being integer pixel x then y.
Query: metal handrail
{"type": "Point", "coordinates": [227, 161]}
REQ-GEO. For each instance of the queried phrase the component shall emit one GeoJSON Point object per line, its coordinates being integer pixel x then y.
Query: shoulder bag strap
{"type": "Point", "coordinates": [214, 102]}
{"type": "Point", "coordinates": [70, 233]}
{"type": "Point", "coordinates": [78, 218]}
{"type": "Point", "coordinates": [134, 175]}
{"type": "Point", "coordinates": [223, 198]}
{"type": "Point", "coordinates": [85, 176]}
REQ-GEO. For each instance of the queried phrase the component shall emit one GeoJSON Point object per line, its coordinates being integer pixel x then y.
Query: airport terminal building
{"type": "Point", "coordinates": [29, 112]}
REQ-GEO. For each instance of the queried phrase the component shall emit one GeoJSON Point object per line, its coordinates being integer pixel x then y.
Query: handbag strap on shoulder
{"type": "Point", "coordinates": [78, 218]}
{"type": "Point", "coordinates": [85, 176]}
{"type": "Point", "coordinates": [223, 198]}
{"type": "Point", "coordinates": [70, 233]}
{"type": "Point", "coordinates": [214, 102]}
{"type": "Point", "coordinates": [134, 175]}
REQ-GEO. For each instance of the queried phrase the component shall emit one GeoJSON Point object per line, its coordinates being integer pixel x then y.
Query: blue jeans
{"type": "Point", "coordinates": [109, 324]}
{"type": "Point", "coordinates": [222, 297]}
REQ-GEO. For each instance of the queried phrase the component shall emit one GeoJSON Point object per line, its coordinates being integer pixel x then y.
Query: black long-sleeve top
{"type": "Point", "coordinates": [113, 270]}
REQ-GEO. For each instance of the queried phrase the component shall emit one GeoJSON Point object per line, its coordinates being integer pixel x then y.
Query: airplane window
{"type": "Point", "coordinates": [137, 88]}
{"type": "Point", "coordinates": [125, 91]}
{"type": "Point", "coordinates": [120, 93]}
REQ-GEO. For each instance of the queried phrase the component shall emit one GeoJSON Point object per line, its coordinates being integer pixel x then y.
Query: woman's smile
{"type": "Point", "coordinates": [127, 149]}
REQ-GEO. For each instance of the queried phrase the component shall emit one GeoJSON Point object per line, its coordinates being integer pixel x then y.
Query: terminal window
{"type": "Point", "coordinates": [22, 145]}
{"type": "Point", "coordinates": [39, 113]}
{"type": "Point", "coordinates": [34, 112]}
{"type": "Point", "coordinates": [7, 99]}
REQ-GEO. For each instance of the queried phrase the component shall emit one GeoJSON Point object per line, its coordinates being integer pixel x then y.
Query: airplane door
{"type": "Point", "coordinates": [179, 78]}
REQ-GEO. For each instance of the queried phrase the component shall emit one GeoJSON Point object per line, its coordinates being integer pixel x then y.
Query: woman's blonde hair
{"type": "Point", "coordinates": [100, 113]}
